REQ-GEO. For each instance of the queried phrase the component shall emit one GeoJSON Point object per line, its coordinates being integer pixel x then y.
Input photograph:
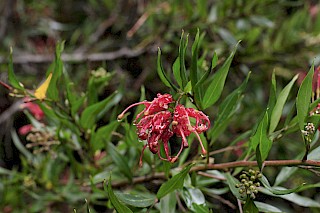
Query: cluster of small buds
{"type": "Point", "coordinates": [249, 183]}
{"type": "Point", "coordinates": [42, 139]}
{"type": "Point", "coordinates": [161, 119]}
{"type": "Point", "coordinates": [308, 132]}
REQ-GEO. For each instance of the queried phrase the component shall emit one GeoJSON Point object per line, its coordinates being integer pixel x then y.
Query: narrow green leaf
{"type": "Point", "coordinates": [188, 87]}
{"type": "Point", "coordinates": [264, 207]}
{"type": "Point", "coordinates": [277, 190]}
{"type": "Point", "coordinates": [176, 71]}
{"type": "Point", "coordinates": [284, 175]}
{"type": "Point", "coordinates": [204, 77]}
{"type": "Point", "coordinates": [272, 94]}
{"type": "Point", "coordinates": [11, 76]}
{"type": "Point", "coordinates": [100, 177]}
{"type": "Point", "coordinates": [90, 115]}
{"type": "Point", "coordinates": [103, 134]}
{"type": "Point", "coordinates": [227, 110]}
{"type": "Point", "coordinates": [168, 203]}
{"type": "Point", "coordinates": [304, 98]}
{"type": "Point", "coordinates": [136, 200]}
{"type": "Point", "coordinates": [121, 208]}
{"type": "Point", "coordinates": [176, 182]}
{"type": "Point", "coordinates": [17, 142]}
{"type": "Point", "coordinates": [194, 60]}
{"type": "Point", "coordinates": [182, 53]}
{"type": "Point", "coordinates": [162, 75]}
{"type": "Point", "coordinates": [214, 90]}
{"type": "Point", "coordinates": [259, 157]}
{"type": "Point", "coordinates": [250, 207]}
{"type": "Point", "coordinates": [281, 100]}
{"type": "Point", "coordinates": [192, 196]}
{"type": "Point", "coordinates": [53, 89]}
{"type": "Point", "coordinates": [265, 146]}
{"type": "Point", "coordinates": [261, 132]}
{"type": "Point", "coordinates": [119, 160]}
{"type": "Point", "coordinates": [294, 198]}
{"type": "Point", "coordinates": [232, 185]}
{"type": "Point", "coordinates": [260, 141]}
{"type": "Point", "coordinates": [200, 208]}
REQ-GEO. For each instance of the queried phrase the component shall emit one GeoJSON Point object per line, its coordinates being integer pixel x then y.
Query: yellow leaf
{"type": "Point", "coordinates": [40, 93]}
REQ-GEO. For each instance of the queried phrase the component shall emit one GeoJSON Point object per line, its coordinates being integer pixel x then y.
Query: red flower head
{"type": "Point", "coordinates": [158, 124]}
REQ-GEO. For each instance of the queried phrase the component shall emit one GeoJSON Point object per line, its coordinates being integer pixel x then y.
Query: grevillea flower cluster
{"type": "Point", "coordinates": [164, 117]}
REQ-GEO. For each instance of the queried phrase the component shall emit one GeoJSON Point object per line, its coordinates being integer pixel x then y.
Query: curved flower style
{"type": "Point", "coordinates": [181, 124]}
{"type": "Point", "coordinates": [158, 122]}
{"type": "Point", "coordinates": [158, 104]}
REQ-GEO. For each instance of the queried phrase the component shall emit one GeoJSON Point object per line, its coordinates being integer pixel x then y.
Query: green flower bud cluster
{"type": "Point", "coordinates": [249, 183]}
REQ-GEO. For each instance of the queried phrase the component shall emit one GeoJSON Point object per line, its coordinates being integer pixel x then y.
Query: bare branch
{"type": "Point", "coordinates": [75, 57]}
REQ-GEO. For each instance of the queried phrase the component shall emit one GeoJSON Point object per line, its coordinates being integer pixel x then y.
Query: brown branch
{"type": "Point", "coordinates": [75, 57]}
{"type": "Point", "coordinates": [229, 165]}
{"type": "Point", "coordinates": [220, 166]}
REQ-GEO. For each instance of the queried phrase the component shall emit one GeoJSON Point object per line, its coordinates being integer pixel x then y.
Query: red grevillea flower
{"type": "Point", "coordinates": [158, 122]}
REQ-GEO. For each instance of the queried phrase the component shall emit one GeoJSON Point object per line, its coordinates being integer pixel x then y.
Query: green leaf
{"type": "Point", "coordinates": [227, 110]}
{"type": "Point", "coordinates": [137, 200]}
{"type": "Point", "coordinates": [176, 71]}
{"type": "Point", "coordinates": [260, 139]}
{"type": "Point", "coordinates": [232, 185]}
{"type": "Point", "coordinates": [17, 142]}
{"type": "Point", "coordinates": [281, 100]}
{"type": "Point", "coordinates": [119, 160]}
{"type": "Point", "coordinates": [273, 93]}
{"type": "Point", "coordinates": [250, 207]}
{"type": "Point", "coordinates": [102, 135]}
{"type": "Point", "coordinates": [176, 182]}
{"type": "Point", "coordinates": [193, 196]}
{"type": "Point", "coordinates": [90, 115]}
{"type": "Point", "coordinates": [293, 197]}
{"type": "Point", "coordinates": [100, 177]}
{"type": "Point", "coordinates": [264, 207]}
{"type": "Point", "coordinates": [162, 75]}
{"type": "Point", "coordinates": [214, 90]}
{"type": "Point", "coordinates": [304, 98]}
{"type": "Point", "coordinates": [11, 76]}
{"type": "Point", "coordinates": [168, 203]}
{"type": "Point", "coordinates": [277, 190]}
{"type": "Point", "coordinates": [194, 60]}
{"type": "Point", "coordinates": [182, 53]}
{"type": "Point", "coordinates": [260, 132]}
{"type": "Point", "coordinates": [200, 208]}
{"type": "Point", "coordinates": [53, 89]}
{"type": "Point", "coordinates": [121, 208]}
{"type": "Point", "coordinates": [188, 87]}
{"type": "Point", "coordinates": [204, 77]}
{"type": "Point", "coordinates": [284, 174]}
{"type": "Point", "coordinates": [74, 101]}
